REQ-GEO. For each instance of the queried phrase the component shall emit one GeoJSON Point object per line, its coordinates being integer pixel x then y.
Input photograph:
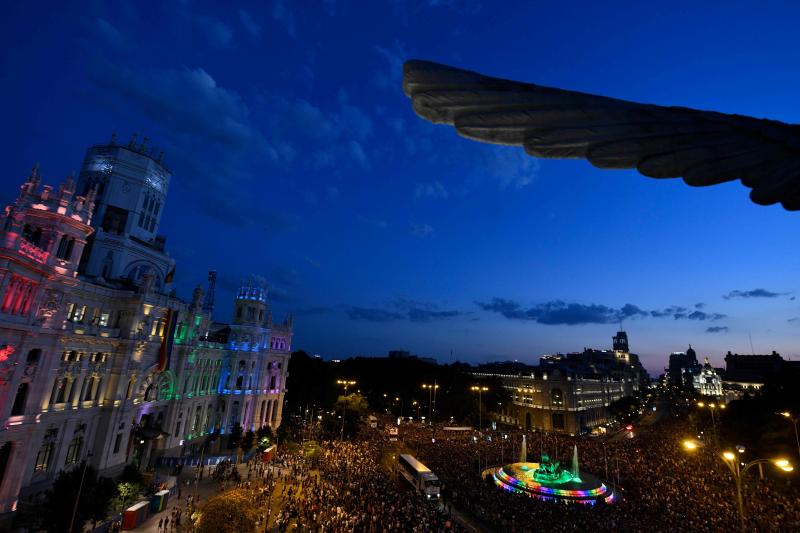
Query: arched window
{"type": "Point", "coordinates": [34, 355]}
{"type": "Point", "coordinates": [19, 401]}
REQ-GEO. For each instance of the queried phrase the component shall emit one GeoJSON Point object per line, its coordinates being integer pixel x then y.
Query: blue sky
{"type": "Point", "coordinates": [295, 155]}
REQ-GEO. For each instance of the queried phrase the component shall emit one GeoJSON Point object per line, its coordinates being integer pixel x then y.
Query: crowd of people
{"type": "Point", "coordinates": [350, 491]}
{"type": "Point", "coordinates": [658, 485]}
{"type": "Point", "coordinates": [353, 486]}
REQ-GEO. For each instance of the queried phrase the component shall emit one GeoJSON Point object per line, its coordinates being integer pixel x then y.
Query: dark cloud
{"type": "Point", "coordinates": [374, 315]}
{"type": "Point", "coordinates": [717, 329]}
{"type": "Point", "coordinates": [700, 315]}
{"type": "Point", "coordinates": [699, 305]}
{"type": "Point", "coordinates": [558, 312]}
{"type": "Point", "coordinates": [754, 293]}
{"type": "Point", "coordinates": [404, 309]}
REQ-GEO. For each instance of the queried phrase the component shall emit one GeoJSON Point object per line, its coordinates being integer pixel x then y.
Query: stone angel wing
{"type": "Point", "coordinates": [702, 147]}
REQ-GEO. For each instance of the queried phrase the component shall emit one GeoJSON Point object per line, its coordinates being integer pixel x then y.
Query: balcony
{"type": "Point", "coordinates": [31, 251]}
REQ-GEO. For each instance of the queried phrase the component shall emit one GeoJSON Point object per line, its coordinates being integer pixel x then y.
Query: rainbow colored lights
{"type": "Point", "coordinates": [518, 477]}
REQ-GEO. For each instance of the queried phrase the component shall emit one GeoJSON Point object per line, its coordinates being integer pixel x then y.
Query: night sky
{"type": "Point", "coordinates": [295, 155]}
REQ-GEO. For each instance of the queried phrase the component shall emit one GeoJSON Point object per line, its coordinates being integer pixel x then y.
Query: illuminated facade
{"type": "Point", "coordinates": [98, 358]}
{"type": "Point", "coordinates": [570, 393]}
{"type": "Point", "coordinates": [707, 382]}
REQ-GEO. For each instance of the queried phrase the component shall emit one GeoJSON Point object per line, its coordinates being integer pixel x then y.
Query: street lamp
{"type": "Point", "coordinates": [431, 397]}
{"type": "Point", "coordinates": [712, 407]}
{"type": "Point", "coordinates": [793, 419]}
{"type": "Point", "coordinates": [738, 470]}
{"type": "Point", "coordinates": [479, 389]}
{"type": "Point", "coordinates": [344, 383]}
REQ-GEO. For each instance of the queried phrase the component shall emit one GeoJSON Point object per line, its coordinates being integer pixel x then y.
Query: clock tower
{"type": "Point", "coordinates": [131, 184]}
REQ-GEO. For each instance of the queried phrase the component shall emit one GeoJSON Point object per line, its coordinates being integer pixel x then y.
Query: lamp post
{"type": "Point", "coordinates": [479, 389]}
{"type": "Point", "coordinates": [712, 407]}
{"type": "Point", "coordinates": [344, 383]}
{"type": "Point", "coordinates": [793, 419]}
{"type": "Point", "coordinates": [80, 489]}
{"type": "Point", "coordinates": [738, 470]}
{"type": "Point", "coordinates": [431, 398]}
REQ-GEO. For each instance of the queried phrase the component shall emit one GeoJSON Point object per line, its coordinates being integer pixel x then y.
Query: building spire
{"type": "Point", "coordinates": [208, 303]}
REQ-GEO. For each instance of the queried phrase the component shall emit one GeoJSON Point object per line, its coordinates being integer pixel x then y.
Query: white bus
{"type": "Point", "coordinates": [420, 476]}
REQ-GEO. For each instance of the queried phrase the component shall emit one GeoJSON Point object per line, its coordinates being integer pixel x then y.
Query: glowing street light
{"type": "Point", "coordinates": [344, 383]}
{"type": "Point", "coordinates": [793, 419]}
{"type": "Point", "coordinates": [479, 389]}
{"type": "Point", "coordinates": [432, 389]}
{"type": "Point", "coordinates": [738, 470]}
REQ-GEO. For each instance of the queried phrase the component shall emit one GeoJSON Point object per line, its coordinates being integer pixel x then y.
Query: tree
{"type": "Point", "coordinates": [247, 441]}
{"type": "Point", "coordinates": [625, 408]}
{"type": "Point", "coordinates": [235, 436]}
{"type": "Point", "coordinates": [229, 512]}
{"type": "Point", "coordinates": [95, 496]}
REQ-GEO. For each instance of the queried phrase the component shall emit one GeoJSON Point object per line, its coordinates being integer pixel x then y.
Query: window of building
{"type": "Point", "coordinates": [74, 450]}
{"type": "Point", "coordinates": [19, 400]}
{"type": "Point", "coordinates": [117, 442]}
{"type": "Point", "coordinates": [34, 355]}
{"type": "Point", "coordinates": [104, 319]}
{"type": "Point", "coordinates": [44, 456]}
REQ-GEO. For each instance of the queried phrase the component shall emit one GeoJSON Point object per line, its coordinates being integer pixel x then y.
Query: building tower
{"type": "Point", "coordinates": [621, 350]}
{"type": "Point", "coordinates": [131, 187]}
{"type": "Point", "coordinates": [208, 303]}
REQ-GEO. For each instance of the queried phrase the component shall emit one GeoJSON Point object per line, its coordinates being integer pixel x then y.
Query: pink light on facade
{"type": "Point", "coordinates": [31, 251]}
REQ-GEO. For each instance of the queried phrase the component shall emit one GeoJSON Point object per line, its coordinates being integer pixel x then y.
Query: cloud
{"type": "Point", "coordinates": [334, 136]}
{"type": "Point", "coordinates": [375, 223]}
{"type": "Point", "coordinates": [558, 312]}
{"type": "Point", "coordinates": [373, 315]}
{"type": "Point", "coordinates": [285, 276]}
{"type": "Point", "coordinates": [311, 311]}
{"type": "Point", "coordinates": [682, 313]}
{"type": "Point", "coordinates": [218, 34]}
{"type": "Point", "coordinates": [754, 293]}
{"type": "Point", "coordinates": [424, 311]}
{"type": "Point", "coordinates": [699, 305]}
{"type": "Point", "coordinates": [394, 55]}
{"type": "Point", "coordinates": [432, 189]}
{"type": "Point", "coordinates": [249, 25]}
{"type": "Point", "coordinates": [511, 167]}
{"type": "Point", "coordinates": [281, 13]}
{"type": "Point", "coordinates": [111, 34]}
{"type": "Point", "coordinates": [186, 100]}
{"type": "Point", "coordinates": [422, 230]}
{"type": "Point", "coordinates": [404, 309]}
{"type": "Point", "coordinates": [794, 320]}
{"type": "Point", "coordinates": [717, 329]}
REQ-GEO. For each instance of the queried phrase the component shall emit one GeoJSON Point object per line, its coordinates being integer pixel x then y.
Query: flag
{"type": "Point", "coordinates": [166, 343]}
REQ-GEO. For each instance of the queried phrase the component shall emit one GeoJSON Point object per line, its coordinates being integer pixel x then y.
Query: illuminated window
{"type": "Point", "coordinates": [104, 319]}
{"type": "Point", "coordinates": [44, 456]}
{"type": "Point", "coordinates": [74, 450]}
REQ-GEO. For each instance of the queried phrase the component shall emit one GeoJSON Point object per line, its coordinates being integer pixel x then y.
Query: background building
{"type": "Point", "coordinates": [98, 359]}
{"type": "Point", "coordinates": [571, 393]}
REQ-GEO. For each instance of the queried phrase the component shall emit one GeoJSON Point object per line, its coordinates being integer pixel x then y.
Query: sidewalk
{"type": "Point", "coordinates": [206, 489]}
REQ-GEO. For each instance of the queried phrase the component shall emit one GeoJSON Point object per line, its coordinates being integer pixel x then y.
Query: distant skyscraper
{"type": "Point", "coordinates": [131, 187]}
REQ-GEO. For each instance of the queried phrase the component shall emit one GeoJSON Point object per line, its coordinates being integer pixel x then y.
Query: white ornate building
{"type": "Point", "coordinates": [707, 382]}
{"type": "Point", "coordinates": [98, 358]}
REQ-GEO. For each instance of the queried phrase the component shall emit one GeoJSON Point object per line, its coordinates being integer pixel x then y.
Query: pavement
{"type": "Point", "coordinates": [205, 489]}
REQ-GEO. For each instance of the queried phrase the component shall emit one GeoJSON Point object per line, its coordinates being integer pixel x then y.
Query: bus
{"type": "Point", "coordinates": [420, 476]}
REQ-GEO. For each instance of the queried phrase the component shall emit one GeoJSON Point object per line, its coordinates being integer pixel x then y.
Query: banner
{"type": "Point", "coordinates": [166, 342]}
